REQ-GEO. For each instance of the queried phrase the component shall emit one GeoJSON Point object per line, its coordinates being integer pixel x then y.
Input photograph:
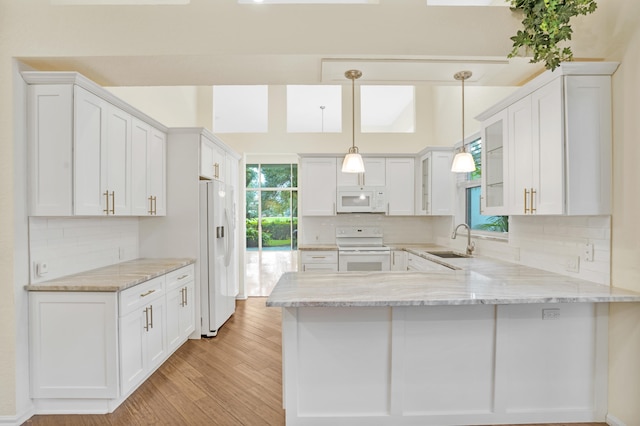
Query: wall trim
{"type": "Point", "coordinates": [18, 419]}
{"type": "Point", "coordinates": [614, 421]}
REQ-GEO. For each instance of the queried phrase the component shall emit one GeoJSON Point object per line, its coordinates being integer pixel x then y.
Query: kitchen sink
{"type": "Point", "coordinates": [448, 254]}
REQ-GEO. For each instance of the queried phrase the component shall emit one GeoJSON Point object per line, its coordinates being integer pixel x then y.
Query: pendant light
{"type": "Point", "coordinates": [463, 161]}
{"type": "Point", "coordinates": [353, 160]}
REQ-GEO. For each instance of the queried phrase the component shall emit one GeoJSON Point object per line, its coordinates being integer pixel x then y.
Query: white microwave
{"type": "Point", "coordinates": [361, 199]}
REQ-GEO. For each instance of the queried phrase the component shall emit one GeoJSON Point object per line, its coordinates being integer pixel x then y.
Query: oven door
{"type": "Point", "coordinates": [363, 260]}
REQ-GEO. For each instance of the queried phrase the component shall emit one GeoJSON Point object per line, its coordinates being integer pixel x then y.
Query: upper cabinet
{"type": "Point", "coordinates": [436, 184]}
{"type": "Point", "coordinates": [375, 173]}
{"type": "Point", "coordinates": [212, 160]}
{"type": "Point", "coordinates": [89, 153]}
{"type": "Point", "coordinates": [318, 185]}
{"type": "Point", "coordinates": [400, 186]}
{"type": "Point", "coordinates": [547, 148]}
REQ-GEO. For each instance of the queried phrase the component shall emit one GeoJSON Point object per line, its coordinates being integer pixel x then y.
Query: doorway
{"type": "Point", "coordinates": [271, 224]}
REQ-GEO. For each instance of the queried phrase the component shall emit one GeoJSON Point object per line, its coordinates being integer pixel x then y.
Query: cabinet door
{"type": "Point", "coordinates": [374, 173]}
{"type": "Point", "coordinates": [116, 160]}
{"type": "Point", "coordinates": [50, 148]}
{"type": "Point", "coordinates": [156, 345]}
{"type": "Point", "coordinates": [521, 156]}
{"type": "Point", "coordinates": [174, 306]}
{"type": "Point", "coordinates": [318, 186]}
{"type": "Point", "coordinates": [219, 160]}
{"type": "Point", "coordinates": [443, 184]}
{"type": "Point", "coordinates": [89, 141]}
{"type": "Point", "coordinates": [548, 149]}
{"type": "Point", "coordinates": [156, 171]}
{"type": "Point", "coordinates": [132, 349]}
{"type": "Point", "coordinates": [319, 267]}
{"type": "Point", "coordinates": [398, 260]}
{"type": "Point", "coordinates": [495, 177]}
{"type": "Point", "coordinates": [207, 158]}
{"type": "Point", "coordinates": [400, 186]}
{"type": "Point", "coordinates": [187, 311]}
{"type": "Point", "coordinates": [140, 136]}
{"type": "Point", "coordinates": [425, 185]}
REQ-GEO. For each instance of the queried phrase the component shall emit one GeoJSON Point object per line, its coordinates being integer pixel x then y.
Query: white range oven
{"type": "Point", "coordinates": [360, 248]}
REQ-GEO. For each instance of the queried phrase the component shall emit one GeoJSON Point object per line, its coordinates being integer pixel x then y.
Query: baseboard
{"type": "Point", "coordinates": [18, 419]}
{"type": "Point", "coordinates": [614, 421]}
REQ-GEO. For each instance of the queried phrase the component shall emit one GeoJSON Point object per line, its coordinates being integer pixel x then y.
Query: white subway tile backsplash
{"type": "Point", "coordinates": [72, 245]}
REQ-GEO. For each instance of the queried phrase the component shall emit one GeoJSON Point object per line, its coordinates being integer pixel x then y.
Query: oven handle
{"type": "Point", "coordinates": [363, 252]}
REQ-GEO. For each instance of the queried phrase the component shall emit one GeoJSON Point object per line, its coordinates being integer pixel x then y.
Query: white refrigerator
{"type": "Point", "coordinates": [218, 286]}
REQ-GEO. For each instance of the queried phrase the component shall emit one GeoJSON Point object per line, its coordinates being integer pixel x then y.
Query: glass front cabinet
{"type": "Point", "coordinates": [494, 162]}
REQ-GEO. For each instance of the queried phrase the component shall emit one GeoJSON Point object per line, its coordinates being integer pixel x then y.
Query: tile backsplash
{"type": "Point", "coordinates": [71, 245]}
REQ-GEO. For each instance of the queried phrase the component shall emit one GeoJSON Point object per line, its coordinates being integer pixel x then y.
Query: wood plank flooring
{"type": "Point", "coordinates": [232, 379]}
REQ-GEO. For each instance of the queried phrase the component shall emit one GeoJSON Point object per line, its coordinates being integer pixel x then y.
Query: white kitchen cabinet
{"type": "Point", "coordinates": [80, 148]}
{"type": "Point", "coordinates": [92, 349]}
{"type": "Point", "coordinates": [400, 186]}
{"type": "Point", "coordinates": [50, 149]}
{"type": "Point", "coordinates": [148, 153]}
{"type": "Point", "coordinates": [495, 164]}
{"type": "Point", "coordinates": [558, 143]}
{"type": "Point", "coordinates": [212, 160]}
{"type": "Point", "coordinates": [375, 173]}
{"type": "Point", "coordinates": [142, 332]}
{"type": "Point", "coordinates": [318, 186]}
{"type": "Point", "coordinates": [418, 263]}
{"type": "Point", "coordinates": [102, 157]}
{"type": "Point", "coordinates": [398, 260]}
{"type": "Point", "coordinates": [437, 187]}
{"type": "Point", "coordinates": [180, 306]}
{"type": "Point", "coordinates": [318, 260]}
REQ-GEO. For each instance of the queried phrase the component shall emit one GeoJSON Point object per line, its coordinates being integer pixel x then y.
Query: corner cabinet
{"type": "Point", "coordinates": [549, 145]}
{"type": "Point", "coordinates": [90, 350]}
{"type": "Point", "coordinates": [318, 183]}
{"type": "Point", "coordinates": [82, 142]}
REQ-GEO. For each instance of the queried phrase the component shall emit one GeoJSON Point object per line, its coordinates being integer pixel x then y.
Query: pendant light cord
{"type": "Point", "coordinates": [353, 114]}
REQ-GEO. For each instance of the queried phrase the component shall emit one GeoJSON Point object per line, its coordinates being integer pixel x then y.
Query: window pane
{"type": "Point", "coordinates": [294, 176]}
{"type": "Point", "coordinates": [475, 148]}
{"type": "Point", "coordinates": [240, 109]}
{"type": "Point", "coordinates": [478, 221]}
{"type": "Point", "coordinates": [276, 219]}
{"type": "Point", "coordinates": [253, 176]}
{"type": "Point", "coordinates": [252, 204]}
{"type": "Point", "coordinates": [314, 109]}
{"type": "Point", "coordinates": [276, 175]}
{"type": "Point", "coordinates": [387, 109]}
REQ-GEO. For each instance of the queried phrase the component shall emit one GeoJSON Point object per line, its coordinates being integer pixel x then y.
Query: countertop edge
{"type": "Point", "coordinates": [62, 284]}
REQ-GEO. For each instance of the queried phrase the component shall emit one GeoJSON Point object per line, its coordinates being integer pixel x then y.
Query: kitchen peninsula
{"type": "Point", "coordinates": [488, 343]}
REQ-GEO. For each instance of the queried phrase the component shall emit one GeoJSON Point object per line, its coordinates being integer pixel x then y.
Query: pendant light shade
{"type": "Point", "coordinates": [463, 161]}
{"type": "Point", "coordinates": [353, 160]}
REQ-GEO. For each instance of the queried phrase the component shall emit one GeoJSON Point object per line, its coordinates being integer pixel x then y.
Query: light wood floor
{"type": "Point", "coordinates": [232, 379]}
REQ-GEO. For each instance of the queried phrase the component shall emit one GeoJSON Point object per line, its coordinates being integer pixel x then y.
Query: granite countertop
{"type": "Point", "coordinates": [479, 280]}
{"type": "Point", "coordinates": [113, 278]}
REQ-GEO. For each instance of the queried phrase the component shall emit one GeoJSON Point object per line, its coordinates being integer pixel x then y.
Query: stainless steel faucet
{"type": "Point", "coordinates": [470, 245]}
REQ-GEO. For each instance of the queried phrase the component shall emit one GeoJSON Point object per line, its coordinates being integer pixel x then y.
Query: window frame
{"type": "Point", "coordinates": [462, 185]}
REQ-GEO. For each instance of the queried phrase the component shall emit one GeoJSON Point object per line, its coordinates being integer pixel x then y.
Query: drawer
{"type": "Point", "coordinates": [319, 257]}
{"type": "Point", "coordinates": [180, 277]}
{"type": "Point", "coordinates": [140, 295]}
{"type": "Point", "coordinates": [319, 267]}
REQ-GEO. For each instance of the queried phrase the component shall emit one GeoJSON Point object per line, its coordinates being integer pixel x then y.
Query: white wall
{"type": "Point", "coordinates": [72, 245]}
{"type": "Point", "coordinates": [624, 319]}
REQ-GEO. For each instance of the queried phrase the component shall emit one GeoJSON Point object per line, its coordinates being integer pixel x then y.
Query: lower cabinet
{"type": "Point", "coordinates": [90, 350]}
{"type": "Point", "coordinates": [398, 260]}
{"type": "Point", "coordinates": [319, 260]}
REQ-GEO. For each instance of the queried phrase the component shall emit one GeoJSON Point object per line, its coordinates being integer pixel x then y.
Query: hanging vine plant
{"type": "Point", "coordinates": [546, 27]}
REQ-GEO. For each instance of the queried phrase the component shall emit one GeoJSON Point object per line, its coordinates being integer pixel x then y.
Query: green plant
{"type": "Point", "coordinates": [546, 25]}
{"type": "Point", "coordinates": [496, 224]}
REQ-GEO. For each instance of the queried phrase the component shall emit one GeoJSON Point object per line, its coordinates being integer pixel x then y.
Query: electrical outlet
{"type": "Point", "coordinates": [572, 264]}
{"type": "Point", "coordinates": [551, 314]}
{"type": "Point", "coordinates": [42, 269]}
{"type": "Point", "coordinates": [587, 252]}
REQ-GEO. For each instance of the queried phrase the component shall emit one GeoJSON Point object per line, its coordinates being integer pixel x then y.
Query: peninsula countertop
{"type": "Point", "coordinates": [480, 280]}
{"type": "Point", "coordinates": [113, 278]}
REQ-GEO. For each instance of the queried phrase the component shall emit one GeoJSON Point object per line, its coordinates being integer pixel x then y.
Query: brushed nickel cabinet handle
{"type": "Point", "coordinates": [151, 310]}
{"type": "Point", "coordinates": [526, 192]}
{"type": "Point", "coordinates": [106, 199]}
{"type": "Point", "coordinates": [146, 319]}
{"type": "Point", "coordinates": [147, 293]}
{"type": "Point", "coordinates": [113, 202]}
{"type": "Point", "coordinates": [531, 208]}
{"type": "Point", "coordinates": [150, 205]}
